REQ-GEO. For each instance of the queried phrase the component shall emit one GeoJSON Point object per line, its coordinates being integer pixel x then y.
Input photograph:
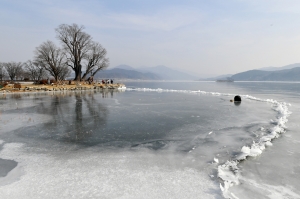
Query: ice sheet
{"type": "Point", "coordinates": [96, 173]}
{"type": "Point", "coordinates": [126, 174]}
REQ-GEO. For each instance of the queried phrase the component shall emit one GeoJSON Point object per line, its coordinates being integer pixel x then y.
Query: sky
{"type": "Point", "coordinates": [203, 37]}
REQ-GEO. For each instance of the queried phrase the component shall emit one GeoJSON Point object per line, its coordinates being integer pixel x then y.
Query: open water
{"type": "Point", "coordinates": [153, 140]}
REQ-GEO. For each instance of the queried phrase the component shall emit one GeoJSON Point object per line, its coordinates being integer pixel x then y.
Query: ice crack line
{"type": "Point", "coordinates": [229, 171]}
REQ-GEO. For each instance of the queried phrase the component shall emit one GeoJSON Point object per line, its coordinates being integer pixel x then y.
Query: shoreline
{"type": "Point", "coordinates": [77, 86]}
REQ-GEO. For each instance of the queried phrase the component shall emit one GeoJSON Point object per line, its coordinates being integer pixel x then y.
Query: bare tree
{"type": "Point", "coordinates": [96, 60]}
{"type": "Point", "coordinates": [81, 51]}
{"type": "Point", "coordinates": [65, 72]}
{"type": "Point", "coordinates": [25, 75]}
{"type": "Point", "coordinates": [52, 59]}
{"type": "Point", "coordinates": [35, 70]}
{"type": "Point", "coordinates": [3, 73]}
{"type": "Point", "coordinates": [14, 69]}
{"type": "Point", "coordinates": [76, 43]}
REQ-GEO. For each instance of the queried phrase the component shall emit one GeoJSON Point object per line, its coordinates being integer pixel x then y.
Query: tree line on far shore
{"type": "Point", "coordinates": [78, 51]}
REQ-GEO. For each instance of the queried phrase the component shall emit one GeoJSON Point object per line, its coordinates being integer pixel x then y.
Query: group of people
{"type": "Point", "coordinates": [90, 80]}
{"type": "Point", "coordinates": [107, 81]}
{"type": "Point", "coordinates": [104, 81]}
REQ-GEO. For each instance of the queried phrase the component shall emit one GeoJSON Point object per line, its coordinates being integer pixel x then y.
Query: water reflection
{"type": "Point", "coordinates": [77, 116]}
{"type": "Point", "coordinates": [110, 93]}
{"type": "Point", "coordinates": [16, 96]}
{"type": "Point", "coordinates": [237, 103]}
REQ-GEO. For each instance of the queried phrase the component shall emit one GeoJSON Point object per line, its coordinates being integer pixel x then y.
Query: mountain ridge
{"type": "Point", "coordinates": [159, 72]}
{"type": "Point", "coordinates": [260, 75]}
{"type": "Point", "coordinates": [272, 68]}
{"type": "Point", "coordinates": [118, 73]}
{"type": "Point", "coordinates": [289, 72]}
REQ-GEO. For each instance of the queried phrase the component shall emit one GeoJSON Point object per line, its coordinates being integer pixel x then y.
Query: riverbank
{"type": "Point", "coordinates": [17, 87]}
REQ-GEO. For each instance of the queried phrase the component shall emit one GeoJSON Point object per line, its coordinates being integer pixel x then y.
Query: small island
{"type": "Point", "coordinates": [228, 79]}
{"type": "Point", "coordinates": [61, 86]}
{"type": "Point", "coordinates": [70, 66]}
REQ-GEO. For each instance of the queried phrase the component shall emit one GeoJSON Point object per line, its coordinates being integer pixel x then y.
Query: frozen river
{"type": "Point", "coordinates": [154, 140]}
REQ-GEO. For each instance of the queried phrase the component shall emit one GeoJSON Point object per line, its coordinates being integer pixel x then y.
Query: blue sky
{"type": "Point", "coordinates": [204, 37]}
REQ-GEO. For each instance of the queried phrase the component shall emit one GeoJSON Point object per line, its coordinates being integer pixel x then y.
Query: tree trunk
{"type": "Point", "coordinates": [84, 76]}
{"type": "Point", "coordinates": [77, 75]}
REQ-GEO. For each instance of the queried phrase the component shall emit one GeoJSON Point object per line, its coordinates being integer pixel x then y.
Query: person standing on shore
{"type": "Point", "coordinates": [90, 79]}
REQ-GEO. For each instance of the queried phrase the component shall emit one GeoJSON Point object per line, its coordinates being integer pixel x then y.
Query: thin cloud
{"type": "Point", "coordinates": [165, 20]}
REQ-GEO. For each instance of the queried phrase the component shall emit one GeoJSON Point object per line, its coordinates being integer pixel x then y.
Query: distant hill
{"type": "Point", "coordinates": [288, 73]}
{"type": "Point", "coordinates": [260, 75]}
{"type": "Point", "coordinates": [118, 73]}
{"type": "Point", "coordinates": [272, 68]}
{"type": "Point", "coordinates": [285, 73]}
{"type": "Point", "coordinates": [167, 73]}
{"type": "Point", "coordinates": [144, 73]}
{"type": "Point", "coordinates": [126, 67]}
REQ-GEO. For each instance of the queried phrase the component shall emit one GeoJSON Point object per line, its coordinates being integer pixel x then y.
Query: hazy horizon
{"type": "Point", "coordinates": [205, 38]}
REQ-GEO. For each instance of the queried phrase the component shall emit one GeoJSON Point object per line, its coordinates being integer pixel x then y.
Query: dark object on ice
{"type": "Point", "coordinates": [237, 98]}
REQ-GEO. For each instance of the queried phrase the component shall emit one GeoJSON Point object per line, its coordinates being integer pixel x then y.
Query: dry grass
{"type": "Point", "coordinates": [56, 86]}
